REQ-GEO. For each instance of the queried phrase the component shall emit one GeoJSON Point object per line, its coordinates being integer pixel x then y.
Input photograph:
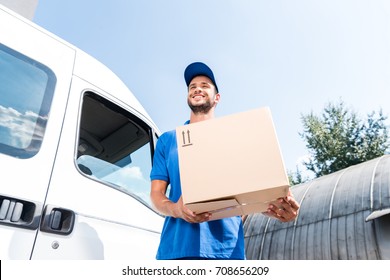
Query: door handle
{"type": "Point", "coordinates": [17, 212]}
{"type": "Point", "coordinates": [57, 220]}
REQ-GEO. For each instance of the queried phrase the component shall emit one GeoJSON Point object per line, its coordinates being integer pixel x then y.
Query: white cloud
{"type": "Point", "coordinates": [21, 128]}
{"type": "Point", "coordinates": [132, 172]}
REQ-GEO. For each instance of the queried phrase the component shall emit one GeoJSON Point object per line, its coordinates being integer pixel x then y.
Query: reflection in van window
{"type": "Point", "coordinates": [26, 91]}
{"type": "Point", "coordinates": [114, 147]}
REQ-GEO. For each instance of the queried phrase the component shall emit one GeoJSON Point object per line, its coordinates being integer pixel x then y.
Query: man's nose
{"type": "Point", "coordinates": [198, 89]}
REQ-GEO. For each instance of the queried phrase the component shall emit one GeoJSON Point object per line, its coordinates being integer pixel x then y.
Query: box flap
{"type": "Point", "coordinates": [213, 206]}
{"type": "Point", "coordinates": [262, 196]}
{"type": "Point", "coordinates": [219, 209]}
{"type": "Point", "coordinates": [254, 208]}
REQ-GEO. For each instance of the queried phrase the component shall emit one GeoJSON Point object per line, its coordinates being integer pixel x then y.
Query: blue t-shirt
{"type": "Point", "coordinates": [219, 239]}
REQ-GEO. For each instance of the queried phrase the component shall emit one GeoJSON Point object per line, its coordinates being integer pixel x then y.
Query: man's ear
{"type": "Point", "coordinates": [217, 97]}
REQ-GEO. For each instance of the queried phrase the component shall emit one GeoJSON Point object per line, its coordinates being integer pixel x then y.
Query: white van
{"type": "Point", "coordinates": [76, 151]}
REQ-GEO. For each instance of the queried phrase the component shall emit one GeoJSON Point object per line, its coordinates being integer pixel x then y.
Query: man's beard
{"type": "Point", "coordinates": [202, 108]}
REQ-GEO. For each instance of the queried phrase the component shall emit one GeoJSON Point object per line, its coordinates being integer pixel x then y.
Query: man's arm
{"type": "Point", "coordinates": [160, 201]}
{"type": "Point", "coordinates": [169, 208]}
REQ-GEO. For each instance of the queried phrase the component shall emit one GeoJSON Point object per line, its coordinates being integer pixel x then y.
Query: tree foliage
{"type": "Point", "coordinates": [296, 178]}
{"type": "Point", "coordinates": [339, 138]}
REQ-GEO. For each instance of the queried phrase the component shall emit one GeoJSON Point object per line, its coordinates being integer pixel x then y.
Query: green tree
{"type": "Point", "coordinates": [339, 138]}
{"type": "Point", "coordinates": [296, 178]}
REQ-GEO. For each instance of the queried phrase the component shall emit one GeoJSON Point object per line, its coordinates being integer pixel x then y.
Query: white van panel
{"type": "Point", "coordinates": [28, 179]}
{"type": "Point", "coordinates": [96, 239]}
{"type": "Point", "coordinates": [102, 222]}
{"type": "Point", "coordinates": [14, 243]}
{"type": "Point", "coordinates": [103, 78]}
{"type": "Point", "coordinates": [120, 220]}
{"type": "Point", "coordinates": [16, 178]}
{"type": "Point", "coordinates": [71, 189]}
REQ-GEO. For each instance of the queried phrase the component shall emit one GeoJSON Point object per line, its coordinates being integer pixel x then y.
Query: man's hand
{"type": "Point", "coordinates": [285, 209]}
{"type": "Point", "coordinates": [181, 211]}
{"type": "Point", "coordinates": [174, 209]}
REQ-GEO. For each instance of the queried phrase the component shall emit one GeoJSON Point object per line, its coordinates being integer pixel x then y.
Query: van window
{"type": "Point", "coordinates": [114, 147]}
{"type": "Point", "coordinates": [26, 92]}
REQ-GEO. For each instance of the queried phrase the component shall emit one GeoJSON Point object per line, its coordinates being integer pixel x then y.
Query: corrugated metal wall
{"type": "Point", "coordinates": [332, 219]}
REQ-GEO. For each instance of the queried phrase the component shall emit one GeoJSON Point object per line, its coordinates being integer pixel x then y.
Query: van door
{"type": "Point", "coordinates": [35, 75]}
{"type": "Point", "coordinates": [98, 204]}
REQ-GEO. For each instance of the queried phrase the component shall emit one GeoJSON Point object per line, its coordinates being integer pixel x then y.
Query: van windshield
{"type": "Point", "coordinates": [26, 91]}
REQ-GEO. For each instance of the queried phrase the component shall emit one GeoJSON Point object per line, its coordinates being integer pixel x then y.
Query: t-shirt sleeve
{"type": "Point", "coordinates": [159, 169]}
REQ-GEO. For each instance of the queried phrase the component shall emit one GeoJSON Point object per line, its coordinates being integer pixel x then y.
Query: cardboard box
{"type": "Point", "coordinates": [231, 165]}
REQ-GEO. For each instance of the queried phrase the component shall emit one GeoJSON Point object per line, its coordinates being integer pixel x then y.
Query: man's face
{"type": "Point", "coordinates": [202, 95]}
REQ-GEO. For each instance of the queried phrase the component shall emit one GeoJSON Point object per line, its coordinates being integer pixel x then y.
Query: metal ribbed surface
{"type": "Point", "coordinates": [332, 220]}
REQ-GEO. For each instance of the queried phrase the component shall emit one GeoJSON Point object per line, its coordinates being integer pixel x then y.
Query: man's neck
{"type": "Point", "coordinates": [201, 116]}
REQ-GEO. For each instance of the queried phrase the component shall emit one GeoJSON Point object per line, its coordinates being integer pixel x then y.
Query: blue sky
{"type": "Point", "coordinates": [293, 56]}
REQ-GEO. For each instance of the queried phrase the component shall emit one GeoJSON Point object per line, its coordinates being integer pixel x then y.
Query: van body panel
{"type": "Point", "coordinates": [108, 215]}
{"type": "Point", "coordinates": [103, 78]}
{"type": "Point", "coordinates": [96, 239]}
{"type": "Point", "coordinates": [50, 206]}
{"type": "Point", "coordinates": [60, 59]}
{"type": "Point", "coordinates": [19, 179]}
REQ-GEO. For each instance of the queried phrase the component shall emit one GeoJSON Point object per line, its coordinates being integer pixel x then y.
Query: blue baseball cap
{"type": "Point", "coordinates": [198, 69]}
